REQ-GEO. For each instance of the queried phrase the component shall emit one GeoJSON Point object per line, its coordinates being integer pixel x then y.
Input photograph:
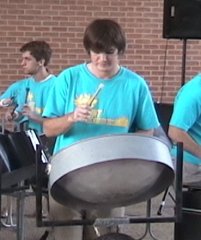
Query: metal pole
{"type": "Point", "coordinates": [183, 69]}
{"type": "Point", "coordinates": [178, 191]}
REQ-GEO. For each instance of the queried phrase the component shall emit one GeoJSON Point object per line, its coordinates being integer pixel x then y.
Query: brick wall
{"type": "Point", "coordinates": [62, 22]}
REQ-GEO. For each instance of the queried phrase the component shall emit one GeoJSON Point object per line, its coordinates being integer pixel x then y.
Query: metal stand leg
{"type": "Point", "coordinates": [167, 192]}
{"type": "Point", "coordinates": [178, 192]}
{"type": "Point", "coordinates": [148, 225]}
{"type": "Point", "coordinates": [20, 215]}
{"type": "Point", "coordinates": [162, 202]}
{"type": "Point", "coordinates": [8, 221]}
{"type": "Point", "coordinates": [84, 216]}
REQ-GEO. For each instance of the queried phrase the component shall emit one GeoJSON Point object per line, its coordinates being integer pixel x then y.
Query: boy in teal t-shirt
{"type": "Point", "coordinates": [185, 126]}
{"type": "Point", "coordinates": [92, 99]}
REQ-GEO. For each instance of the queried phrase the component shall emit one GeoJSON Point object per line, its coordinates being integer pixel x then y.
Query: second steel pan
{"type": "Point", "coordinates": [17, 156]}
{"type": "Point", "coordinates": [110, 171]}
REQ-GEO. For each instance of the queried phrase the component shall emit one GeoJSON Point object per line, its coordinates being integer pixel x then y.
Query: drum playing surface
{"type": "Point", "coordinates": [111, 171]}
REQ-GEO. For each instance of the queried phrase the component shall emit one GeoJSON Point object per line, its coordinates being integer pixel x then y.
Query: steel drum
{"type": "Point", "coordinates": [17, 157]}
{"type": "Point", "coordinates": [110, 171]}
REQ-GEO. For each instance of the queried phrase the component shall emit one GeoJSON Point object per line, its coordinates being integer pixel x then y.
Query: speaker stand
{"type": "Point", "coordinates": [183, 69]}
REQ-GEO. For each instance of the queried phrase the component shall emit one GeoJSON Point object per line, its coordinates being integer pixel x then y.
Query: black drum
{"type": "Point", "coordinates": [16, 150]}
{"type": "Point", "coordinates": [191, 216]}
{"type": "Point", "coordinates": [4, 158]}
{"type": "Point", "coordinates": [18, 156]}
{"type": "Point", "coordinates": [4, 163]}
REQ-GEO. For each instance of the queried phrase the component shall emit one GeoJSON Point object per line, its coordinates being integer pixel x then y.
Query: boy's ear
{"type": "Point", "coordinates": [42, 62]}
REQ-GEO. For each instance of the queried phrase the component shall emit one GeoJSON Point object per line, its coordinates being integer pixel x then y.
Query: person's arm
{"type": "Point", "coordinates": [149, 132]}
{"type": "Point", "coordinates": [11, 115]}
{"type": "Point", "coordinates": [56, 126]}
{"type": "Point", "coordinates": [179, 135]}
{"type": "Point", "coordinates": [26, 111]}
{"type": "Point", "coordinates": [6, 102]}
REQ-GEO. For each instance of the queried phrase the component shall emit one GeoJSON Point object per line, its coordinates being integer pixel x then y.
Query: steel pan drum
{"type": "Point", "coordinates": [17, 157]}
{"type": "Point", "coordinates": [110, 171]}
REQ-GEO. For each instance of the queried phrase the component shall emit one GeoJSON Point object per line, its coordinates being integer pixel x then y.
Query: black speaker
{"type": "Point", "coordinates": [191, 219]}
{"type": "Point", "coordinates": [182, 19]}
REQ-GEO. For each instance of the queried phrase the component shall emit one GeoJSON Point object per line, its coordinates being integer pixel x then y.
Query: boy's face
{"type": "Point", "coordinates": [29, 63]}
{"type": "Point", "coordinates": [105, 61]}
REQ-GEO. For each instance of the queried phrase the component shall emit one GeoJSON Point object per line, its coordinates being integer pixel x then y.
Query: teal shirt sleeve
{"type": "Point", "coordinates": [11, 91]}
{"type": "Point", "coordinates": [56, 103]}
{"type": "Point", "coordinates": [146, 114]}
{"type": "Point", "coordinates": [187, 106]}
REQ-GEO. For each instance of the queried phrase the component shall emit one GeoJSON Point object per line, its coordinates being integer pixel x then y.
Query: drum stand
{"type": "Point", "coordinates": [176, 218]}
{"type": "Point", "coordinates": [7, 221]}
{"type": "Point", "coordinates": [18, 192]}
{"type": "Point", "coordinates": [148, 225]}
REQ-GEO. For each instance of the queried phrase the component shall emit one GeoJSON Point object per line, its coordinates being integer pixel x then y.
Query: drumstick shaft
{"type": "Point", "coordinates": [100, 87]}
{"type": "Point", "coordinates": [26, 96]}
{"type": "Point", "coordinates": [13, 111]}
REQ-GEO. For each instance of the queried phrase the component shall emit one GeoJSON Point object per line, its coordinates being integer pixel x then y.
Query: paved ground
{"type": "Point", "coordinates": [162, 231]}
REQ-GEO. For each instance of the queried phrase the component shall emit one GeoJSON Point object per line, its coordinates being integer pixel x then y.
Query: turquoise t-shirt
{"type": "Point", "coordinates": [36, 93]}
{"type": "Point", "coordinates": [122, 106]}
{"type": "Point", "coordinates": [14, 89]}
{"type": "Point", "coordinates": [187, 114]}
